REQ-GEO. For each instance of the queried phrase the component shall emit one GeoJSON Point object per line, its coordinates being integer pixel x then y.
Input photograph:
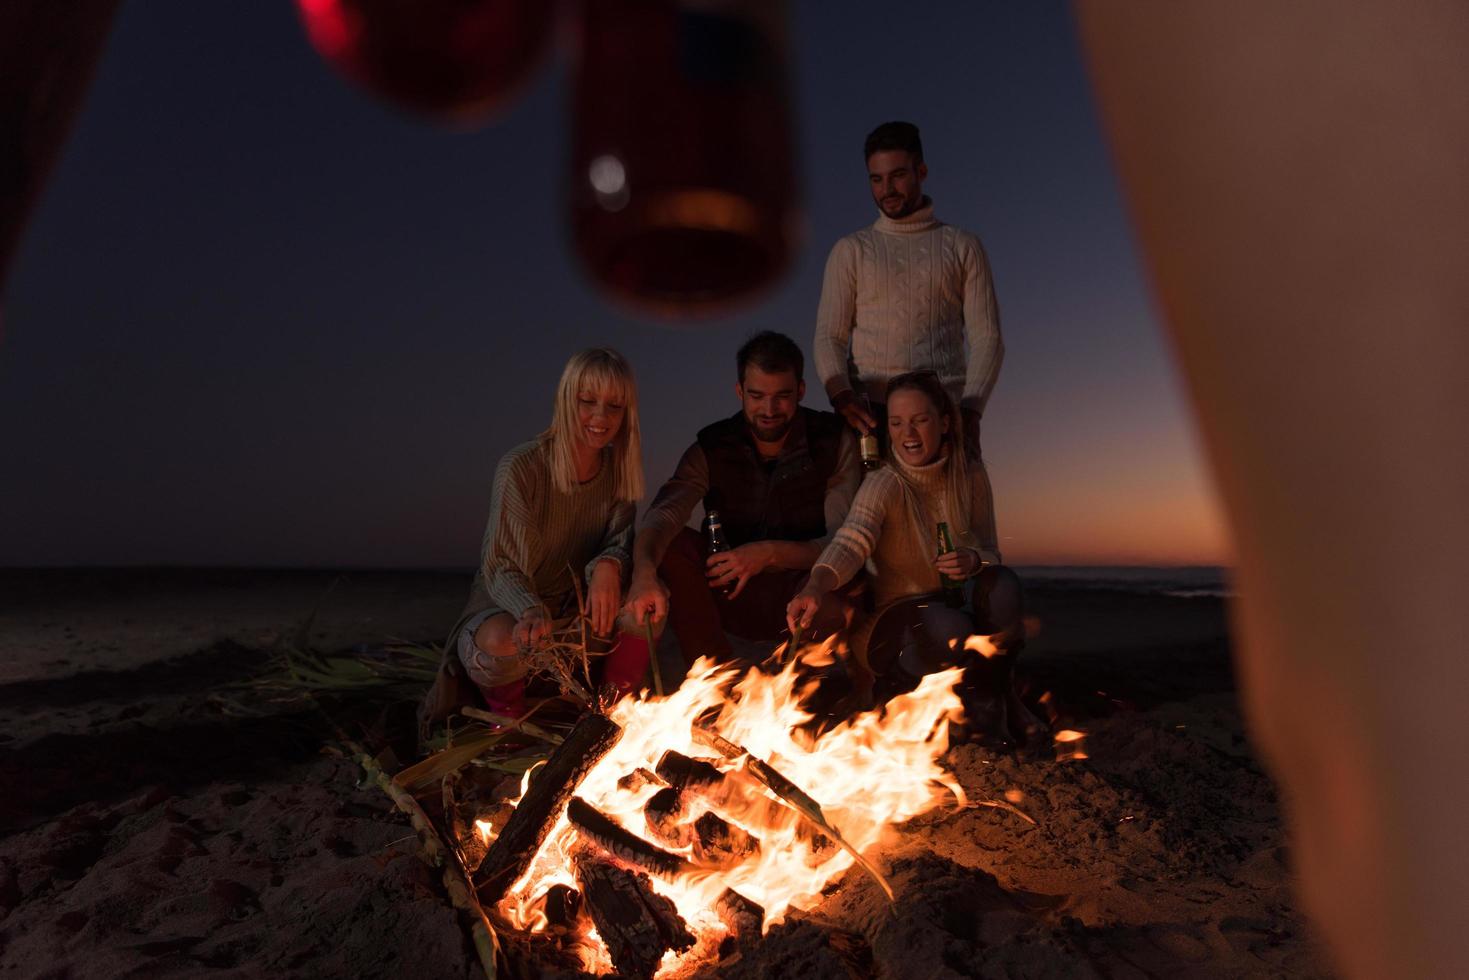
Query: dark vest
{"type": "Point", "coordinates": [782, 499]}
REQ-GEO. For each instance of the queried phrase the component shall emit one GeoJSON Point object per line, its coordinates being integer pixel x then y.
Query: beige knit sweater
{"type": "Point", "coordinates": [537, 536]}
{"type": "Point", "coordinates": [906, 295]}
{"type": "Point", "coordinates": [894, 520]}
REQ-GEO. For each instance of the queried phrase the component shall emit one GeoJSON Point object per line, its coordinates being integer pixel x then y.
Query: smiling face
{"type": "Point", "coordinates": [769, 401]}
{"type": "Point", "coordinates": [916, 427]}
{"type": "Point", "coordinates": [599, 415]}
{"type": "Point", "coordinates": [897, 182]}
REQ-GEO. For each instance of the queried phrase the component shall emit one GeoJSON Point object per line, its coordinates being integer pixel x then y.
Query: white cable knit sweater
{"type": "Point", "coordinates": [906, 295]}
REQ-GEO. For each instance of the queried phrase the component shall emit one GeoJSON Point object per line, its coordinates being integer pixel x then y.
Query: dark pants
{"type": "Point", "coordinates": [923, 635]}
{"type": "Point", "coordinates": [700, 616]}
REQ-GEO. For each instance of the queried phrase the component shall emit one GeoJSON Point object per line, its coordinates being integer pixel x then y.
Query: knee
{"type": "Point", "coordinates": [1002, 594]}
{"type": "Point", "coordinates": [495, 636]}
{"type": "Point", "coordinates": [685, 553]}
{"type": "Point", "coordinates": [945, 626]}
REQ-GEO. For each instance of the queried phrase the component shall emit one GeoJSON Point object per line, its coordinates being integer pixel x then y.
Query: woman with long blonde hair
{"type": "Point", "coordinates": [561, 505]}
{"type": "Point", "coordinates": [928, 595]}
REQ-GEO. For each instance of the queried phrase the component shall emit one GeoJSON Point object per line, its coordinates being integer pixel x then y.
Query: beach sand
{"type": "Point", "coordinates": [150, 829]}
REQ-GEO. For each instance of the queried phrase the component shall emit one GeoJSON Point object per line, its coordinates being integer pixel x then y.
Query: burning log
{"type": "Point", "coordinates": [791, 794]}
{"type": "Point", "coordinates": [637, 924]}
{"type": "Point", "coordinates": [621, 843]}
{"type": "Point", "coordinates": [562, 905]}
{"type": "Point", "coordinates": [742, 917]}
{"type": "Point", "coordinates": [719, 843]}
{"type": "Point", "coordinates": [682, 772]}
{"type": "Point", "coordinates": [665, 815]}
{"type": "Point", "coordinates": [516, 846]}
{"type": "Point", "coordinates": [638, 779]}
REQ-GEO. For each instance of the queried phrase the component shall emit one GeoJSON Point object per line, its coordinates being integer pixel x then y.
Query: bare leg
{"type": "Point", "coordinates": [1297, 175]}
{"type": "Point", "coordinates": [495, 666]}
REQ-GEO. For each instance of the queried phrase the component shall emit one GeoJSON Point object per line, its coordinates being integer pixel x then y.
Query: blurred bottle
{"type": "Point", "coordinates": [867, 442]}
{"type": "Point", "coordinates": [683, 178]}
{"type": "Point", "coordinates": [457, 60]}
{"type": "Point", "coordinates": [953, 587]}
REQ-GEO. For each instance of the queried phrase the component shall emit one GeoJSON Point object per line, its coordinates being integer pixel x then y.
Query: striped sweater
{"type": "Point", "coordinates": [885, 525]}
{"type": "Point", "coordinates": [537, 535]}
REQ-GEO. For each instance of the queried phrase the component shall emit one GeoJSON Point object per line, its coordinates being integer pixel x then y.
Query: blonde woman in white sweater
{"type": "Point", "coordinates": [917, 626]}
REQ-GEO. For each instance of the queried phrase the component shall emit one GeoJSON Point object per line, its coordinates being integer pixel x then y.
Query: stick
{"type": "Point", "coordinates": [518, 724]}
{"type": "Point", "coordinates": [792, 795]}
{"type": "Point", "coordinates": [461, 896]}
{"type": "Point", "coordinates": [581, 619]}
{"type": "Point", "coordinates": [653, 658]}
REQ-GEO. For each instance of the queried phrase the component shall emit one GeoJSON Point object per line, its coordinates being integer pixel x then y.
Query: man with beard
{"type": "Point", "coordinates": [781, 478]}
{"type": "Point", "coordinates": [907, 293]}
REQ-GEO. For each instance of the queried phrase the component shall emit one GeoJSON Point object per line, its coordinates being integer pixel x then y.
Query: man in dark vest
{"type": "Point", "coordinates": [781, 477]}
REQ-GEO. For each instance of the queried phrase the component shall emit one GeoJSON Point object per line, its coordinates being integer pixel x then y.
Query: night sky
{"type": "Point", "coordinates": [260, 319]}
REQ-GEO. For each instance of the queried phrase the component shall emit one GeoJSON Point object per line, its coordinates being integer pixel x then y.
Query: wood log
{"type": "Point", "coordinates": [515, 848]}
{"type": "Point", "coordinates": [562, 905]}
{"type": "Point", "coordinates": [667, 818]}
{"type": "Point", "coordinates": [682, 772]}
{"type": "Point", "coordinates": [742, 917]}
{"type": "Point", "coordinates": [596, 827]}
{"type": "Point", "coordinates": [721, 844]}
{"type": "Point", "coordinates": [637, 924]}
{"type": "Point", "coordinates": [638, 779]}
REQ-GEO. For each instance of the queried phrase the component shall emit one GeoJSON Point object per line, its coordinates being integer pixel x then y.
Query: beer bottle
{"type": "Point", "coordinates": [714, 535]}
{"type": "Point", "coordinates": [953, 587]}
{"type": "Point", "coordinates": [867, 444]}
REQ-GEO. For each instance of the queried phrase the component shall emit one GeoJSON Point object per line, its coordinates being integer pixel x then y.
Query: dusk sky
{"type": "Point", "coordinates": [261, 319]}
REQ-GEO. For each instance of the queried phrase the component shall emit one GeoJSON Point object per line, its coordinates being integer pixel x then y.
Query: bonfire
{"type": "Point", "coordinates": [653, 834]}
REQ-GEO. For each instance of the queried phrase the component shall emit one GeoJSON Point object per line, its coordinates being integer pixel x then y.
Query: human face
{"type": "Point", "coordinates": [897, 182]}
{"type": "Point", "coordinates": [769, 402]}
{"type": "Point", "coordinates": [599, 416]}
{"type": "Point", "coordinates": [915, 427]}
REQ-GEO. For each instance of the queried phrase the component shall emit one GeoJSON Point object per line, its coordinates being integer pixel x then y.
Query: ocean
{"type": "Point", "coordinates": [1182, 581]}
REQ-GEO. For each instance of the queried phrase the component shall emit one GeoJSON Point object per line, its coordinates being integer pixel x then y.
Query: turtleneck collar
{"type": "Point", "coordinates": [920, 220]}
{"type": "Point", "coordinates": [929, 476]}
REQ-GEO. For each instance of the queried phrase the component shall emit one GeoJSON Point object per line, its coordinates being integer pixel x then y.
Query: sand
{"type": "Point", "coordinates": [147, 828]}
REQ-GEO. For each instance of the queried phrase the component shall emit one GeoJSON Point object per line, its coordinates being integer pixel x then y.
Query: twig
{"type": "Point", "coordinates": [1002, 805]}
{"type": "Point", "coordinates": [581, 619]}
{"type": "Point", "coordinates": [518, 724]}
{"type": "Point", "coordinates": [461, 896]}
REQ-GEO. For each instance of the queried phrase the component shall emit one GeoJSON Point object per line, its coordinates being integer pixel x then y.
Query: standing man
{"type": "Point", "coordinates": [782, 478]}
{"type": "Point", "coordinates": [907, 293]}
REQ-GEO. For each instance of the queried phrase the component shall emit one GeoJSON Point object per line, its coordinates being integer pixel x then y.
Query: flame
{"type": "Point", "coordinates": [1068, 743]}
{"type": "Point", "coordinates": [869, 773]}
{"type": "Point", "coordinates": [981, 645]}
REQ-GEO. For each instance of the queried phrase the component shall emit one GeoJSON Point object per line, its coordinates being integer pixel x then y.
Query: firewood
{"type": "Point", "coordinates": [621, 843]}
{"type": "Point", "coordinates": [638, 779]}
{"type": "Point", "coordinates": [637, 924]}
{"type": "Point", "coordinates": [562, 904]}
{"type": "Point", "coordinates": [682, 772]}
{"type": "Point", "coordinates": [792, 795]}
{"type": "Point", "coordinates": [516, 846]}
{"type": "Point", "coordinates": [666, 817]}
{"type": "Point", "coordinates": [742, 917]}
{"type": "Point", "coordinates": [720, 843]}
